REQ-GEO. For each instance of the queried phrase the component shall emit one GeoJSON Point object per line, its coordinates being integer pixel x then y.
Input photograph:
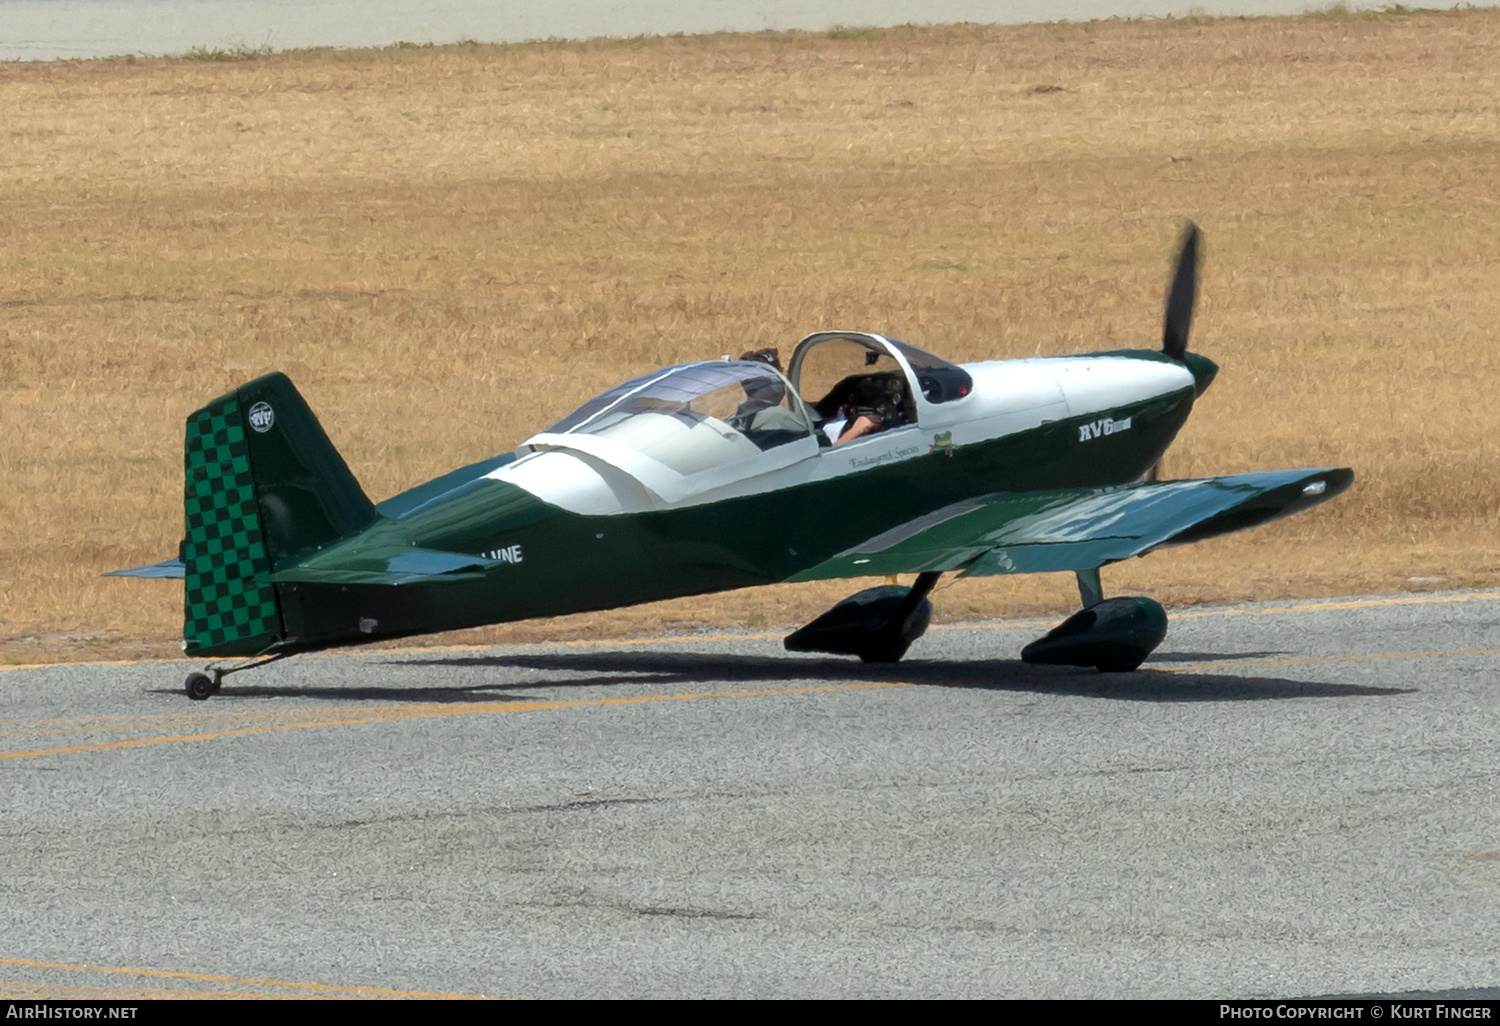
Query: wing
{"type": "Point", "coordinates": [1080, 529]}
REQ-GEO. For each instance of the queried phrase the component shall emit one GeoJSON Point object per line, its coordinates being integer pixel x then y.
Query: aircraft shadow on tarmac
{"type": "Point", "coordinates": [712, 671]}
{"type": "Point", "coordinates": [1209, 657]}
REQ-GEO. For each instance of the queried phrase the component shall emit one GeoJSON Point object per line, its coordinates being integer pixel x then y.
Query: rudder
{"type": "Point", "coordinates": [263, 485]}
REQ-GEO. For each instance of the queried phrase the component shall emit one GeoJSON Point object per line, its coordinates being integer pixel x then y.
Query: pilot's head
{"type": "Point", "coordinates": [767, 389]}
{"type": "Point", "coordinates": [770, 354]}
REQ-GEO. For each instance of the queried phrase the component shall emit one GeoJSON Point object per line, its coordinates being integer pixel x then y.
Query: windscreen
{"type": "Point", "coordinates": [939, 380]}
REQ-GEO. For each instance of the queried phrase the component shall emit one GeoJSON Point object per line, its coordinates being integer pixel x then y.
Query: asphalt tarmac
{"type": "Point", "coordinates": [1287, 800]}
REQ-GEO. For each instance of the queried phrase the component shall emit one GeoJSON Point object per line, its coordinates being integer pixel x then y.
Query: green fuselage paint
{"type": "Point", "coordinates": [554, 561]}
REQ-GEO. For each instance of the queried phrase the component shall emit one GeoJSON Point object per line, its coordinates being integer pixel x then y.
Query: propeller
{"type": "Point", "coordinates": [1179, 320]}
{"type": "Point", "coordinates": [1174, 333]}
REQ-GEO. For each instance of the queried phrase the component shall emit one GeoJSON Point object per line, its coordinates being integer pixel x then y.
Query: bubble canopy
{"type": "Point", "coordinates": [694, 416]}
{"type": "Point", "coordinates": [668, 386]}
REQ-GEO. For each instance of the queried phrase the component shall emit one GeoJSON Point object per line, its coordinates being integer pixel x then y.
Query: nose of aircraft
{"type": "Point", "coordinates": [1203, 370]}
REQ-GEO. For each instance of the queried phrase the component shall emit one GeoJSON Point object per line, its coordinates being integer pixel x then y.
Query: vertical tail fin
{"type": "Point", "coordinates": [263, 486]}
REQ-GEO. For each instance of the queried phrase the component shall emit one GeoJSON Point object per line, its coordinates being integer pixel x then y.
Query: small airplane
{"type": "Point", "coordinates": [866, 457]}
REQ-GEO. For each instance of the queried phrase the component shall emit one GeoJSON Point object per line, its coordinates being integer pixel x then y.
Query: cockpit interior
{"type": "Point", "coordinates": [856, 386]}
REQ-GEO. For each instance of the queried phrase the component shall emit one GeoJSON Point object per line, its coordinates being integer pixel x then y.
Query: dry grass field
{"type": "Point", "coordinates": [447, 248]}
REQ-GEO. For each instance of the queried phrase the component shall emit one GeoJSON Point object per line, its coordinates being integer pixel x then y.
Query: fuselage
{"type": "Point", "coordinates": [581, 522]}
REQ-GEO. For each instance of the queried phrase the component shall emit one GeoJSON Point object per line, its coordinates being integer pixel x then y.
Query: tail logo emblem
{"type": "Point", "coordinates": [262, 417]}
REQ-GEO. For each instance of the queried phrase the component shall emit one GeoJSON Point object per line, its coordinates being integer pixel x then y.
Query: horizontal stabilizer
{"type": "Point", "coordinates": [390, 568]}
{"type": "Point", "coordinates": [1081, 529]}
{"type": "Point", "coordinates": [166, 568]}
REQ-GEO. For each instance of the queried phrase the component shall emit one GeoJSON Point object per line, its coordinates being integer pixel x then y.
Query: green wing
{"type": "Point", "coordinates": [1080, 529]}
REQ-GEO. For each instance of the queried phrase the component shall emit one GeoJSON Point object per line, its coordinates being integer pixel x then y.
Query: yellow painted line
{"type": "Point", "coordinates": [1001, 625]}
{"type": "Point", "coordinates": [432, 649]}
{"type": "Point", "coordinates": [1301, 607]}
{"type": "Point", "coordinates": [101, 662]}
{"type": "Point", "coordinates": [73, 731]}
{"type": "Point", "coordinates": [589, 643]}
{"type": "Point", "coordinates": [44, 991]}
{"type": "Point", "coordinates": [1319, 607]}
{"type": "Point", "coordinates": [431, 712]}
{"type": "Point", "coordinates": [205, 978]}
{"type": "Point", "coordinates": [1234, 664]}
{"type": "Point", "coordinates": [154, 717]}
{"type": "Point", "coordinates": [147, 722]}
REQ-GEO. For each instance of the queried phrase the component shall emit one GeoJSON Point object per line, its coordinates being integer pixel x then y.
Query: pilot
{"type": "Point", "coordinates": [763, 417]}
{"type": "Point", "coordinates": [872, 406]}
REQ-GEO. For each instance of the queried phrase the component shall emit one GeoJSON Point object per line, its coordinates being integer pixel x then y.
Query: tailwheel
{"type": "Point", "coordinates": [200, 686]}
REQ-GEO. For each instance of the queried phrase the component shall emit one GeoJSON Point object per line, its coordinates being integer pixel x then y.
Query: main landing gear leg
{"type": "Point", "coordinates": [201, 686]}
{"type": "Point", "coordinates": [1090, 588]}
{"type": "Point", "coordinates": [1111, 635]}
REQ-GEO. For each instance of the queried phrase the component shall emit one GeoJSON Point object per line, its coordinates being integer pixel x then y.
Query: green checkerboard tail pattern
{"type": "Point", "coordinates": [265, 488]}
{"type": "Point", "coordinates": [229, 605]}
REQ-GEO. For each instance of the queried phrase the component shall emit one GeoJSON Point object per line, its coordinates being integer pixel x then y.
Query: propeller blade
{"type": "Point", "coordinates": [1174, 334]}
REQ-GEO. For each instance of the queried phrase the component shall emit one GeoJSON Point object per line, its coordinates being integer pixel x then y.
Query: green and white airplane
{"type": "Point", "coordinates": [868, 457]}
